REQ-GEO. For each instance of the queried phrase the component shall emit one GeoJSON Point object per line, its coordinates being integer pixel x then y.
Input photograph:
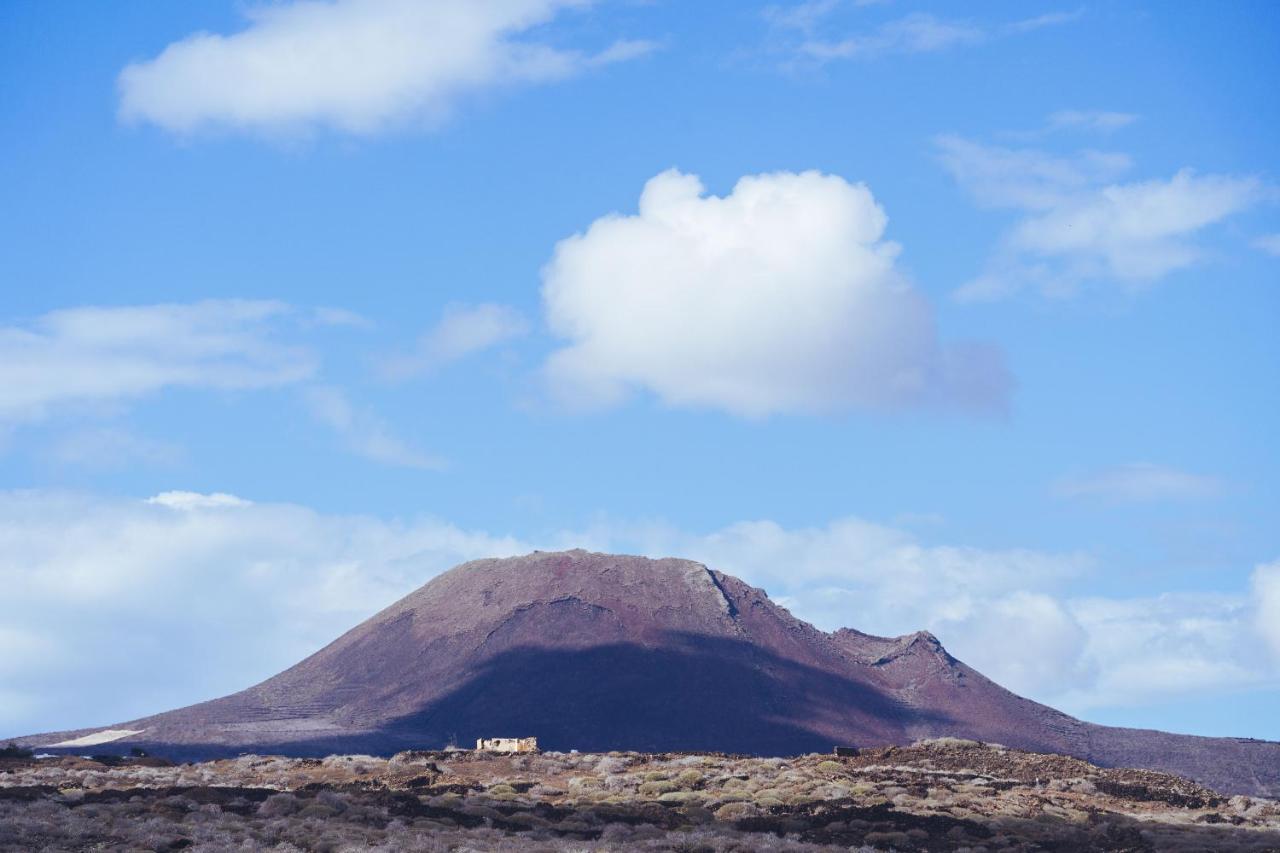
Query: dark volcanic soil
{"type": "Point", "coordinates": [598, 652]}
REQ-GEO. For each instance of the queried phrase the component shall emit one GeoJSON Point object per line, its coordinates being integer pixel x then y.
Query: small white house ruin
{"type": "Point", "coordinates": [507, 744]}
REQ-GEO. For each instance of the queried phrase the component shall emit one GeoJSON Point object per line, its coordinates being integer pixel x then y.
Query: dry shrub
{"type": "Point", "coordinates": [688, 778]}
{"type": "Point", "coordinates": [947, 742]}
{"type": "Point", "coordinates": [548, 792]}
{"type": "Point", "coordinates": [610, 765]}
{"type": "Point", "coordinates": [657, 788]}
{"type": "Point", "coordinates": [736, 811]}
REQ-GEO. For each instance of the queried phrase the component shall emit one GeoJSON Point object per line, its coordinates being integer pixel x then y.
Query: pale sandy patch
{"type": "Point", "coordinates": [104, 736]}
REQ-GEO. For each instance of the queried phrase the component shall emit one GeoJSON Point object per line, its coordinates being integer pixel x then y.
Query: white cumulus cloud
{"type": "Point", "coordinates": [356, 66]}
{"type": "Point", "coordinates": [782, 296]}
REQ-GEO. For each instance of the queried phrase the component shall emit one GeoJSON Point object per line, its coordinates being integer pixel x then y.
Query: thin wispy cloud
{"type": "Point", "coordinates": [808, 34]}
{"type": "Point", "coordinates": [1099, 120]}
{"type": "Point", "coordinates": [1081, 123]}
{"type": "Point", "coordinates": [100, 356]}
{"type": "Point", "coordinates": [364, 433]}
{"type": "Point", "coordinates": [1080, 224]}
{"type": "Point", "coordinates": [1026, 178]}
{"type": "Point", "coordinates": [462, 331]}
{"type": "Point", "coordinates": [916, 33]}
{"type": "Point", "coordinates": [807, 15]}
{"type": "Point", "coordinates": [803, 17]}
{"type": "Point", "coordinates": [353, 66]}
{"type": "Point", "coordinates": [1039, 22]}
{"type": "Point", "coordinates": [111, 448]}
{"type": "Point", "coordinates": [1139, 482]}
{"type": "Point", "coordinates": [1269, 243]}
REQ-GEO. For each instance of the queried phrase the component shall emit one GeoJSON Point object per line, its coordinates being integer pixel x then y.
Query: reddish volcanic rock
{"type": "Point", "coordinates": [599, 652]}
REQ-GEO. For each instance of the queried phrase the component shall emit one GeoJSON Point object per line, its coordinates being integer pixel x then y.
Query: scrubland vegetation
{"type": "Point", "coordinates": [937, 795]}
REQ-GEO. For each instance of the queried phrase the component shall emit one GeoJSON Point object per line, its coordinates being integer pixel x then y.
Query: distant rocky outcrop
{"type": "Point", "coordinates": [600, 652]}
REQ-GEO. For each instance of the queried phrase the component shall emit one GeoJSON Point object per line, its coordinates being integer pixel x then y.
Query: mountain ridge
{"type": "Point", "coordinates": [597, 651]}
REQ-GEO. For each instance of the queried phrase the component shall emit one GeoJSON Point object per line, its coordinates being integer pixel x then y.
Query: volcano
{"type": "Point", "coordinates": [598, 652]}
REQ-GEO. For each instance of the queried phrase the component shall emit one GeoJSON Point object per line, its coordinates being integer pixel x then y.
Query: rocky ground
{"type": "Point", "coordinates": [937, 795]}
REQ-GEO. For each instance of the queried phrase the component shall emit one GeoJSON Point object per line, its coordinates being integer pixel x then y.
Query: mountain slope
{"type": "Point", "coordinates": [597, 652]}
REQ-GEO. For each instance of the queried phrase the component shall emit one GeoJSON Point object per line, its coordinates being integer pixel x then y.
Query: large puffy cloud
{"type": "Point", "coordinates": [215, 592]}
{"type": "Point", "coordinates": [782, 296]}
{"type": "Point", "coordinates": [352, 65]}
{"type": "Point", "coordinates": [1079, 224]}
{"type": "Point", "coordinates": [100, 355]}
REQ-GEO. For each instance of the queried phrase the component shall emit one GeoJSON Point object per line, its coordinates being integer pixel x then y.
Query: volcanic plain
{"type": "Point", "coordinates": [937, 795]}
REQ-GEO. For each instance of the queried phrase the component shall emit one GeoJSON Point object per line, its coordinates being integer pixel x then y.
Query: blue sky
{"type": "Point", "coordinates": [969, 325]}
